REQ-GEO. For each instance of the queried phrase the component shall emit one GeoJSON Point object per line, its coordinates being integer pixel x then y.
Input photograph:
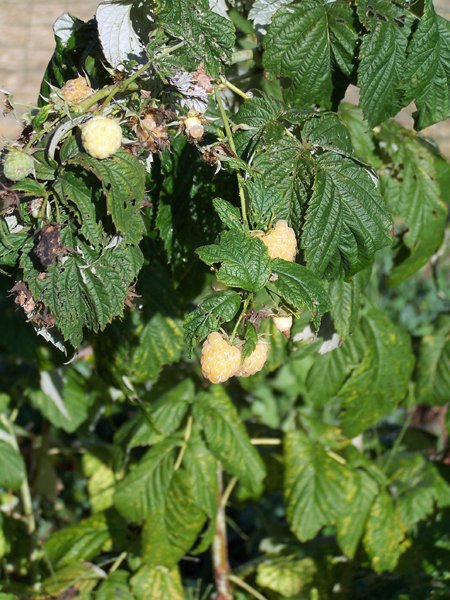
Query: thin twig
{"type": "Point", "coordinates": [266, 441]}
{"type": "Point", "coordinates": [245, 586]}
{"type": "Point", "coordinates": [226, 124]}
{"type": "Point", "coordinates": [187, 435]}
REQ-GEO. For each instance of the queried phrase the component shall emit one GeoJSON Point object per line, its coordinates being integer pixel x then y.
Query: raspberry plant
{"type": "Point", "coordinates": [225, 351]}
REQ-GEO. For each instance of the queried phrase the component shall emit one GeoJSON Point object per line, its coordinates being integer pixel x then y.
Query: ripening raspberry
{"type": "Point", "coordinates": [283, 323]}
{"type": "Point", "coordinates": [17, 165]}
{"type": "Point", "coordinates": [281, 241]}
{"type": "Point", "coordinates": [194, 126]}
{"type": "Point", "coordinates": [101, 137]}
{"type": "Point", "coordinates": [76, 90]}
{"type": "Point", "coordinates": [256, 361]}
{"type": "Point", "coordinates": [220, 360]}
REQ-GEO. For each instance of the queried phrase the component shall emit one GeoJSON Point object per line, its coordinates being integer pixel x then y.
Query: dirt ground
{"type": "Point", "coordinates": [26, 44]}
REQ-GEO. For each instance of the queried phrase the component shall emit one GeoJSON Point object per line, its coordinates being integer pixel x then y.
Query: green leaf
{"type": "Point", "coordinates": [81, 199]}
{"type": "Point", "coordinates": [414, 197]}
{"type": "Point", "coordinates": [244, 260]}
{"type": "Point", "coordinates": [433, 373]}
{"type": "Point", "coordinates": [360, 494]}
{"type": "Point", "coordinates": [314, 485]}
{"type": "Point", "coordinates": [260, 121]}
{"type": "Point", "coordinates": [81, 577]}
{"type": "Point", "coordinates": [345, 297]}
{"type": "Point", "coordinates": [143, 490]}
{"type": "Point", "coordinates": [327, 131]}
{"type": "Point", "coordinates": [229, 215]}
{"type": "Point", "coordinates": [101, 480]}
{"type": "Point", "coordinates": [171, 530]}
{"type": "Point", "coordinates": [265, 203]}
{"type": "Point", "coordinates": [115, 586]}
{"type": "Point", "coordinates": [416, 485]}
{"type": "Point", "coordinates": [215, 309]}
{"type": "Point", "coordinates": [87, 289]}
{"type": "Point", "coordinates": [305, 43]}
{"type": "Point", "coordinates": [300, 288]}
{"type": "Point", "coordinates": [427, 71]}
{"type": "Point", "coordinates": [63, 398]}
{"type": "Point", "coordinates": [166, 415]}
{"type": "Point", "coordinates": [157, 583]}
{"type": "Point", "coordinates": [382, 61]}
{"type": "Point", "coordinates": [346, 220]}
{"type": "Point", "coordinates": [385, 534]}
{"type": "Point", "coordinates": [284, 178]}
{"type": "Point", "coordinates": [12, 467]}
{"type": "Point", "coordinates": [251, 339]}
{"type": "Point", "coordinates": [360, 133]}
{"type": "Point", "coordinates": [81, 541]}
{"type": "Point", "coordinates": [29, 187]}
{"type": "Point", "coordinates": [338, 365]}
{"type": "Point", "coordinates": [160, 343]}
{"type": "Point", "coordinates": [123, 181]}
{"type": "Point", "coordinates": [227, 438]}
{"type": "Point", "coordinates": [381, 380]}
{"type": "Point", "coordinates": [286, 575]}
{"type": "Point", "coordinates": [208, 37]}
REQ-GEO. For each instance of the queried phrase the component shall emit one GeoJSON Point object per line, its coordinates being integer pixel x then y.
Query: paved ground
{"type": "Point", "coordinates": [26, 44]}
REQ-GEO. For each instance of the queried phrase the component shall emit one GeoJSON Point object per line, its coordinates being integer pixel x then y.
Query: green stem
{"type": "Point", "coordinates": [228, 491]}
{"type": "Point", "coordinates": [234, 88]}
{"type": "Point", "coordinates": [266, 441]}
{"type": "Point", "coordinates": [187, 435]}
{"type": "Point", "coordinates": [241, 316]}
{"type": "Point", "coordinates": [245, 586]}
{"type": "Point", "coordinates": [226, 124]}
{"type": "Point", "coordinates": [39, 135]}
{"type": "Point", "coordinates": [397, 443]}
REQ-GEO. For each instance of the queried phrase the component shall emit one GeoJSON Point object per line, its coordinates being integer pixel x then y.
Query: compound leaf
{"type": "Point", "coordinates": [346, 220]}
{"type": "Point", "coordinates": [244, 260]}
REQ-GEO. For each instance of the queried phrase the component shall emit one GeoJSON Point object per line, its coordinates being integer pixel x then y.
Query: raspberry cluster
{"type": "Point", "coordinates": [221, 360]}
{"type": "Point", "coordinates": [281, 241]}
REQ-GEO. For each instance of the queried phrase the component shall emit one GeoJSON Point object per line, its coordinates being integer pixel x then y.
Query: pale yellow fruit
{"type": "Point", "coordinates": [256, 361]}
{"type": "Point", "coordinates": [220, 360]}
{"type": "Point", "coordinates": [281, 241]}
{"type": "Point", "coordinates": [194, 127]}
{"type": "Point", "coordinates": [101, 137]}
{"type": "Point", "coordinates": [283, 323]}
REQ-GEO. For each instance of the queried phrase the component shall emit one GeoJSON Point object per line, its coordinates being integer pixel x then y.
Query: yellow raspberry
{"type": "Point", "coordinates": [220, 360]}
{"type": "Point", "coordinates": [101, 137]}
{"type": "Point", "coordinates": [281, 241]}
{"type": "Point", "coordinates": [256, 361]}
{"type": "Point", "coordinates": [76, 90]}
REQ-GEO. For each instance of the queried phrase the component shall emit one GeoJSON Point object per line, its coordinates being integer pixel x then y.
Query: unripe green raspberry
{"type": "Point", "coordinates": [281, 241]}
{"type": "Point", "coordinates": [101, 137]}
{"type": "Point", "coordinates": [17, 165]}
{"type": "Point", "coordinates": [256, 361]}
{"type": "Point", "coordinates": [220, 360]}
